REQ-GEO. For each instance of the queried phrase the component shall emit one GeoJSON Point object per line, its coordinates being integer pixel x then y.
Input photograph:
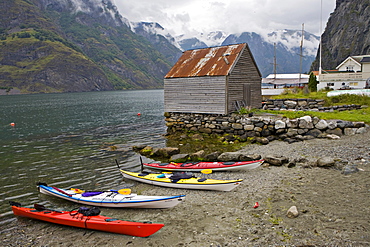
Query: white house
{"type": "Point", "coordinates": [275, 84]}
{"type": "Point", "coordinates": [352, 73]}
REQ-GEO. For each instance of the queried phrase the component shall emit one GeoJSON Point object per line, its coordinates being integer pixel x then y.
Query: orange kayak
{"type": "Point", "coordinates": [99, 222]}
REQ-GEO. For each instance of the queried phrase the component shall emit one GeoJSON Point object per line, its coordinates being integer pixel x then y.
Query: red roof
{"type": "Point", "coordinates": [214, 61]}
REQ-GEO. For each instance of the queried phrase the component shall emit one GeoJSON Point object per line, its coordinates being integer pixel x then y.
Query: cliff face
{"type": "Point", "coordinates": [73, 46]}
{"type": "Point", "coordinates": [346, 33]}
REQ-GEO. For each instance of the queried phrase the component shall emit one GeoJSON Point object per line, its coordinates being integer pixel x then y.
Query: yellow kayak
{"type": "Point", "coordinates": [182, 180]}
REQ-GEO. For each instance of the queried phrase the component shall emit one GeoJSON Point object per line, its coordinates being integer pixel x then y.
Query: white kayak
{"type": "Point", "coordinates": [111, 198]}
{"type": "Point", "coordinates": [182, 180]}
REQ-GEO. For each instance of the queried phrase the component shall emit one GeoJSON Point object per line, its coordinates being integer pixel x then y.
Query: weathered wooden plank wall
{"type": "Point", "coordinates": [195, 95]}
{"type": "Point", "coordinates": [244, 72]}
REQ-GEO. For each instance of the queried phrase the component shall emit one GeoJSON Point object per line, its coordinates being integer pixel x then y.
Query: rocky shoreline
{"type": "Point", "coordinates": [332, 205]}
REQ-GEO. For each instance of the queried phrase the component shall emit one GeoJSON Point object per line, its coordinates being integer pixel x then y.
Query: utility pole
{"type": "Point", "coordinates": [275, 61]}
{"type": "Point", "coordinates": [301, 55]}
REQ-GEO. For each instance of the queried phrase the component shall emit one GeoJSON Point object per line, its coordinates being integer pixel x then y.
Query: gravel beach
{"type": "Point", "coordinates": [333, 208]}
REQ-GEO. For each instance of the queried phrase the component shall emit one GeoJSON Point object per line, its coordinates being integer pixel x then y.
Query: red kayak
{"type": "Point", "coordinates": [199, 166]}
{"type": "Point", "coordinates": [78, 219]}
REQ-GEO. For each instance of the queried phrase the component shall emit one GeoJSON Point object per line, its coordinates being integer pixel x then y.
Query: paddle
{"type": "Point", "coordinates": [142, 165]}
{"type": "Point", "coordinates": [125, 191]}
{"type": "Point", "coordinates": [206, 171]}
{"type": "Point", "coordinates": [40, 207]}
{"type": "Point", "coordinates": [117, 164]}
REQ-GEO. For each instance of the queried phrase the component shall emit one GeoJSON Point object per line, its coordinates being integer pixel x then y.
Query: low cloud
{"type": "Point", "coordinates": [230, 16]}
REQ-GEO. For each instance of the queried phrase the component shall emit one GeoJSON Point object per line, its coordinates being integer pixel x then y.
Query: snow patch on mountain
{"type": "Point", "coordinates": [155, 29]}
{"type": "Point", "coordinates": [292, 39]}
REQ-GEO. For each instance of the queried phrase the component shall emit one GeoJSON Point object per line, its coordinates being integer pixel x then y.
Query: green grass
{"type": "Point", "coordinates": [362, 115]}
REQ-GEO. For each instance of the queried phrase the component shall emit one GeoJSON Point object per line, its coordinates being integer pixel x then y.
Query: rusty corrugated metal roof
{"type": "Point", "coordinates": [214, 61]}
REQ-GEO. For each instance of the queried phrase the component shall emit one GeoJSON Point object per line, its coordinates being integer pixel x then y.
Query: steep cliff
{"type": "Point", "coordinates": [346, 33]}
{"type": "Point", "coordinates": [69, 46]}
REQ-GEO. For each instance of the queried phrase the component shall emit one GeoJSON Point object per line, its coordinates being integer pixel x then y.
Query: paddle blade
{"type": "Point", "coordinates": [124, 191]}
{"type": "Point", "coordinates": [40, 207]}
{"type": "Point", "coordinates": [206, 171]}
{"type": "Point", "coordinates": [78, 191]}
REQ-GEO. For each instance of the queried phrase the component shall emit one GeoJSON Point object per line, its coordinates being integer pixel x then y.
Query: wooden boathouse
{"type": "Point", "coordinates": [216, 80]}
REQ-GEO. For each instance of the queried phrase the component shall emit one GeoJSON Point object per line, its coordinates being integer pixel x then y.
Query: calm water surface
{"type": "Point", "coordinates": [61, 139]}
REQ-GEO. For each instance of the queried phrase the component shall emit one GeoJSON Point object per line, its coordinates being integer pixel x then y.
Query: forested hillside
{"type": "Point", "coordinates": [72, 46]}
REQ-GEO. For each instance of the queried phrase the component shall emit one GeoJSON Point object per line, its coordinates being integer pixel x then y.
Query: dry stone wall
{"type": "Point", "coordinates": [263, 128]}
{"type": "Point", "coordinates": [305, 105]}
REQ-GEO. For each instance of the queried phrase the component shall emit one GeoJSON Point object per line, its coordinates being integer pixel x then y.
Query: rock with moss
{"type": "Point", "coordinates": [198, 156]}
{"type": "Point", "coordinates": [180, 158]}
{"type": "Point", "coordinates": [146, 151]}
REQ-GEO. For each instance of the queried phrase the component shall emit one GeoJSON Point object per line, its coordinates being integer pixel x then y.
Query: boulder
{"type": "Point", "coordinates": [249, 127]}
{"type": "Point", "coordinates": [198, 155]}
{"type": "Point", "coordinates": [292, 123]}
{"type": "Point", "coordinates": [229, 156]}
{"type": "Point", "coordinates": [325, 162]}
{"type": "Point", "coordinates": [179, 158]}
{"type": "Point", "coordinates": [348, 169]}
{"type": "Point", "coordinates": [146, 151]}
{"type": "Point", "coordinates": [276, 160]}
{"type": "Point", "coordinates": [344, 124]}
{"type": "Point", "coordinates": [169, 151]}
{"type": "Point", "coordinates": [292, 212]}
{"type": "Point", "coordinates": [290, 104]}
{"type": "Point", "coordinates": [212, 156]}
{"type": "Point", "coordinates": [314, 132]}
{"type": "Point", "coordinates": [361, 130]}
{"type": "Point", "coordinates": [321, 124]}
{"type": "Point", "coordinates": [249, 157]}
{"type": "Point", "coordinates": [237, 126]}
{"type": "Point", "coordinates": [197, 137]}
{"type": "Point", "coordinates": [138, 147]}
{"type": "Point", "coordinates": [164, 152]}
{"type": "Point", "coordinates": [280, 124]}
{"type": "Point", "coordinates": [305, 123]}
{"type": "Point", "coordinates": [336, 131]}
{"type": "Point", "coordinates": [332, 124]}
{"type": "Point", "coordinates": [349, 131]}
{"type": "Point", "coordinates": [262, 140]}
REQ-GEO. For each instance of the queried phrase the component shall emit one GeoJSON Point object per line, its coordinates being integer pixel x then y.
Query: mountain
{"type": "Point", "coordinates": [346, 33]}
{"type": "Point", "coordinates": [74, 45]}
{"type": "Point", "coordinates": [157, 36]}
{"type": "Point", "coordinates": [201, 40]}
{"type": "Point", "coordinates": [287, 50]}
{"type": "Point", "coordinates": [262, 47]}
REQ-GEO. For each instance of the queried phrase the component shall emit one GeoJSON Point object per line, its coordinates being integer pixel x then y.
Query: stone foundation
{"type": "Point", "coordinates": [263, 128]}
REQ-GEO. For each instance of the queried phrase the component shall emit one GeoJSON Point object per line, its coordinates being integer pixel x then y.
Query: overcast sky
{"type": "Point", "coordinates": [231, 16]}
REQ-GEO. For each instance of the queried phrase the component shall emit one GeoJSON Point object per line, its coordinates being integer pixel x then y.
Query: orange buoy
{"type": "Point", "coordinates": [139, 114]}
{"type": "Point", "coordinates": [12, 124]}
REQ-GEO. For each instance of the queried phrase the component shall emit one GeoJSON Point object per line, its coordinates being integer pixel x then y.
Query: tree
{"type": "Point", "coordinates": [312, 83]}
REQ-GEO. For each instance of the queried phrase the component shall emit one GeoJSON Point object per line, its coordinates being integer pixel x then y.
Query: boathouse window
{"type": "Point", "coordinates": [330, 84]}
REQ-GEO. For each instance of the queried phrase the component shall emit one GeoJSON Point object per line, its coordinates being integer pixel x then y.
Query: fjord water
{"type": "Point", "coordinates": [62, 140]}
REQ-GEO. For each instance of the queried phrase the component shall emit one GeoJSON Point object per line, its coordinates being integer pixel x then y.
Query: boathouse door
{"type": "Point", "coordinates": [247, 95]}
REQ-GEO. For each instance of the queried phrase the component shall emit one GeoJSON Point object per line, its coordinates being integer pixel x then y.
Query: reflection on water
{"type": "Point", "coordinates": [60, 139]}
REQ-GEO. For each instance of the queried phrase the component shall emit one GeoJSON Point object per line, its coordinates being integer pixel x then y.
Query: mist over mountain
{"type": "Point", "coordinates": [263, 49]}
{"type": "Point", "coordinates": [287, 45]}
